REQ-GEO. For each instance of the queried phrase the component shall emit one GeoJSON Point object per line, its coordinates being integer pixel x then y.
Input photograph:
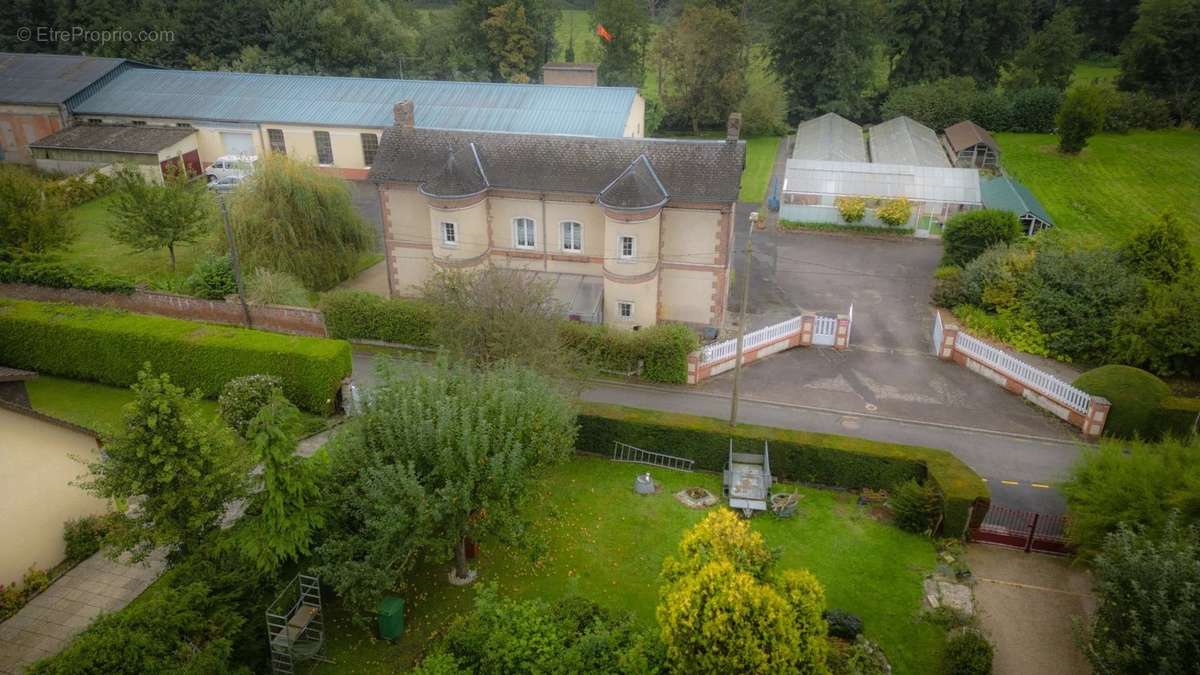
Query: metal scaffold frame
{"type": "Point", "coordinates": [296, 625]}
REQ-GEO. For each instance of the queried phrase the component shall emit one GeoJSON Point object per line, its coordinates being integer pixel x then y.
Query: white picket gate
{"type": "Point", "coordinates": [824, 330]}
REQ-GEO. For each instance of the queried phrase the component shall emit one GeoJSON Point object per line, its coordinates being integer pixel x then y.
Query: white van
{"type": "Point", "coordinates": [230, 165]}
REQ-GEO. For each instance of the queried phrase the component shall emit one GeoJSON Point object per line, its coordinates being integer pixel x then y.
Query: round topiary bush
{"type": "Point", "coordinates": [242, 397]}
{"type": "Point", "coordinates": [1136, 397]}
{"type": "Point", "coordinates": [968, 652]}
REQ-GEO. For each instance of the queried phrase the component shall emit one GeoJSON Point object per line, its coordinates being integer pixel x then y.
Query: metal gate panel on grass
{"type": "Point", "coordinates": [1027, 530]}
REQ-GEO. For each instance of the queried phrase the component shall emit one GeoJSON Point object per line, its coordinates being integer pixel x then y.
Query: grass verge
{"type": "Point", "coordinates": [796, 226]}
{"type": "Point", "coordinates": [760, 163]}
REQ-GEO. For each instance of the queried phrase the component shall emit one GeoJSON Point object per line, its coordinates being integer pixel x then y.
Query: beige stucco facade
{"type": "Point", "coordinates": [36, 495]}
{"type": "Point", "coordinates": [678, 268]}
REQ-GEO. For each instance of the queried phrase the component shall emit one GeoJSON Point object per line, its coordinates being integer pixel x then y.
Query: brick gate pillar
{"type": "Point", "coordinates": [1097, 415]}
{"type": "Point", "coordinates": [946, 348]}
{"type": "Point", "coordinates": [693, 374]}
{"type": "Point", "coordinates": [806, 329]}
{"type": "Point", "coordinates": [841, 339]}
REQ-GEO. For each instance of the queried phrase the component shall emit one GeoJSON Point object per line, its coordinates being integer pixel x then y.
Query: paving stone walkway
{"type": "Point", "coordinates": [47, 624]}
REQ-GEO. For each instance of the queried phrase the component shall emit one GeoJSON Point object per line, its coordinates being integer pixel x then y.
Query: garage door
{"type": "Point", "coordinates": [237, 143]}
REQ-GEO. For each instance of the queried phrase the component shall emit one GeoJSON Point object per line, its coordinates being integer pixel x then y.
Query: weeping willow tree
{"type": "Point", "coordinates": [292, 218]}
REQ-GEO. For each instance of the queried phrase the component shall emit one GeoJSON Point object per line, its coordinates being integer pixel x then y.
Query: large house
{"type": "Point", "coordinates": [334, 122]}
{"type": "Point", "coordinates": [642, 228]}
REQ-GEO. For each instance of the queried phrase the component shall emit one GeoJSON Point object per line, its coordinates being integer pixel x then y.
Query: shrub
{"type": "Point", "coordinates": [969, 234]}
{"type": "Point", "coordinates": [667, 348]}
{"type": "Point", "coordinates": [243, 397]}
{"type": "Point", "coordinates": [992, 110]}
{"type": "Point", "coordinates": [265, 287]}
{"type": "Point", "coordinates": [968, 652]}
{"type": "Point", "coordinates": [81, 188]}
{"type": "Point", "coordinates": [838, 461]}
{"type": "Point", "coordinates": [937, 104]}
{"type": "Point", "coordinates": [1180, 416]}
{"type": "Point", "coordinates": [1159, 249]}
{"type": "Point", "coordinates": [111, 346]}
{"type": "Point", "coordinates": [212, 278]}
{"type": "Point", "coordinates": [603, 347]}
{"type": "Point", "coordinates": [916, 506]}
{"type": "Point", "coordinates": [33, 219]}
{"type": "Point", "coordinates": [1035, 110]}
{"type": "Point", "coordinates": [894, 212]}
{"type": "Point", "coordinates": [947, 286]}
{"type": "Point", "coordinates": [1161, 333]}
{"type": "Point", "coordinates": [1010, 325]}
{"type": "Point", "coordinates": [843, 624]}
{"type": "Point", "coordinates": [357, 315]}
{"type": "Point", "coordinates": [40, 271]}
{"type": "Point", "coordinates": [864, 657]}
{"type": "Point", "coordinates": [1079, 118]}
{"type": "Point", "coordinates": [996, 278]}
{"type": "Point", "coordinates": [1127, 110]}
{"type": "Point", "coordinates": [852, 209]}
{"type": "Point", "coordinates": [1136, 397]}
{"type": "Point", "coordinates": [83, 536]}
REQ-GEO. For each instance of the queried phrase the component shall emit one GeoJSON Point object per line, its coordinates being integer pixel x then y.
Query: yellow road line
{"type": "Point", "coordinates": [1040, 485]}
{"type": "Point", "coordinates": [1010, 482]}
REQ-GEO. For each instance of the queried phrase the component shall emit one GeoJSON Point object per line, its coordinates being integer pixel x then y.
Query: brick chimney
{"type": "Point", "coordinates": [404, 114]}
{"type": "Point", "coordinates": [733, 128]}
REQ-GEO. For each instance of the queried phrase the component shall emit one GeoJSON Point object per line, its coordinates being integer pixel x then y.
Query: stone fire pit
{"type": "Point", "coordinates": [696, 498]}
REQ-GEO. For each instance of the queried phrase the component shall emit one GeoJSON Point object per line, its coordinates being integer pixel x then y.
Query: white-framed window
{"type": "Point", "coordinates": [450, 234]}
{"type": "Point", "coordinates": [524, 233]}
{"type": "Point", "coordinates": [324, 147]}
{"type": "Point", "coordinates": [624, 310]}
{"type": "Point", "coordinates": [572, 236]}
{"type": "Point", "coordinates": [628, 247]}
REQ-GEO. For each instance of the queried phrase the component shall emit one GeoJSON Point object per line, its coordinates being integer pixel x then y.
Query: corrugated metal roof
{"type": "Point", "coordinates": [143, 140]}
{"type": "Point", "coordinates": [1002, 192]}
{"type": "Point", "coordinates": [902, 140]}
{"type": "Point", "coordinates": [830, 137]}
{"type": "Point", "coordinates": [363, 102]}
{"type": "Point", "coordinates": [918, 183]}
{"type": "Point", "coordinates": [49, 78]}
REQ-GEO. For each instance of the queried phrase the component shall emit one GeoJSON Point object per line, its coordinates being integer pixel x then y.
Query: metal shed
{"type": "Point", "coordinates": [830, 137]}
{"type": "Point", "coordinates": [971, 146]}
{"type": "Point", "coordinates": [1008, 194]}
{"type": "Point", "coordinates": [902, 140]}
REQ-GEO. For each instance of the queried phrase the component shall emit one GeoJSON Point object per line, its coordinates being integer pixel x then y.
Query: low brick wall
{"type": "Point", "coordinates": [796, 332]}
{"type": "Point", "coordinates": [277, 318]}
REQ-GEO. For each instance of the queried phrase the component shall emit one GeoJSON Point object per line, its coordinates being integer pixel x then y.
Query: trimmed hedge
{"type": "Point", "coordinates": [359, 315]}
{"type": "Point", "coordinates": [54, 274]}
{"type": "Point", "coordinates": [1136, 397]}
{"type": "Point", "coordinates": [1179, 415]}
{"type": "Point", "coordinates": [110, 346]}
{"type": "Point", "coordinates": [826, 459]}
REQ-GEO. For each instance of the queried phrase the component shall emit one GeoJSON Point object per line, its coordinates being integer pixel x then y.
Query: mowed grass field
{"type": "Point", "coordinates": [598, 540]}
{"type": "Point", "coordinates": [1118, 181]}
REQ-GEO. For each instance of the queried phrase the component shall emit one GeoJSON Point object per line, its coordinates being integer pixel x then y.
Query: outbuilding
{"type": "Point", "coordinates": [830, 138]}
{"type": "Point", "coordinates": [1008, 194]}
{"type": "Point", "coordinates": [90, 147]}
{"type": "Point", "coordinates": [971, 146]}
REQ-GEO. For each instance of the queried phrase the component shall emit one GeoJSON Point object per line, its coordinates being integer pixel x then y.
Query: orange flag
{"type": "Point", "coordinates": [600, 30]}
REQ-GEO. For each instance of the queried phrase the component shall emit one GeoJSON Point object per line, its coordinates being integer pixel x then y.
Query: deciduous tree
{"type": "Point", "coordinates": [1161, 53]}
{"type": "Point", "coordinates": [1048, 59]}
{"type": "Point", "coordinates": [932, 39]}
{"type": "Point", "coordinates": [149, 216]}
{"type": "Point", "coordinates": [1080, 117]}
{"type": "Point", "coordinates": [703, 56]}
{"type": "Point", "coordinates": [623, 59]}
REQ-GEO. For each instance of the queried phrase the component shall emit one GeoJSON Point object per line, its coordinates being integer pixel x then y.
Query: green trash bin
{"type": "Point", "coordinates": [391, 618]}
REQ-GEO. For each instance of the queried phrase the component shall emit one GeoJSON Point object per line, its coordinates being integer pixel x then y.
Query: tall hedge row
{"type": "Point", "coordinates": [110, 346]}
{"type": "Point", "coordinates": [357, 315]}
{"type": "Point", "coordinates": [826, 459]}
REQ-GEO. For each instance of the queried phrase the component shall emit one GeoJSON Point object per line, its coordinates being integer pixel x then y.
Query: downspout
{"type": "Point", "coordinates": [545, 236]}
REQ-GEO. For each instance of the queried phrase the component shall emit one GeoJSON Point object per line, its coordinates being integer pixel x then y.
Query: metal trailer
{"type": "Point", "coordinates": [747, 480]}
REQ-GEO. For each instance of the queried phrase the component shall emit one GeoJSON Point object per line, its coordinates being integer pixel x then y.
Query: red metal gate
{"type": "Point", "coordinates": [1026, 530]}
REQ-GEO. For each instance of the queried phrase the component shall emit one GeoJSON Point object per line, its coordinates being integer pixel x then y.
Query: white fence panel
{"type": "Point", "coordinates": [1044, 382]}
{"type": "Point", "coordinates": [728, 349]}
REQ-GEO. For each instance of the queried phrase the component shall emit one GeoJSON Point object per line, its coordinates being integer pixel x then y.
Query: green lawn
{"type": "Point", "coordinates": [1097, 72]}
{"type": "Point", "coordinates": [98, 406]}
{"type": "Point", "coordinates": [603, 542]}
{"type": "Point", "coordinates": [1117, 181]}
{"type": "Point", "coordinates": [94, 247]}
{"type": "Point", "coordinates": [760, 160]}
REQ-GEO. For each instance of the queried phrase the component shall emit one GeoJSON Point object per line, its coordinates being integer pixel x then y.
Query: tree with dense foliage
{"type": "Point", "coordinates": [1048, 59]}
{"type": "Point", "coordinates": [286, 514]}
{"type": "Point", "coordinates": [703, 57]}
{"type": "Point", "coordinates": [1106, 23]}
{"type": "Point", "coordinates": [822, 51]}
{"type": "Point", "coordinates": [291, 218]}
{"type": "Point", "coordinates": [361, 38]}
{"type": "Point", "coordinates": [931, 39]}
{"type": "Point", "coordinates": [479, 51]}
{"type": "Point", "coordinates": [1161, 53]}
{"type": "Point", "coordinates": [1147, 618]}
{"type": "Point", "coordinates": [623, 59]}
{"type": "Point", "coordinates": [32, 218]}
{"type": "Point", "coordinates": [1159, 250]}
{"type": "Point", "coordinates": [149, 216]}
{"type": "Point", "coordinates": [436, 455]}
{"type": "Point", "coordinates": [1135, 395]}
{"type": "Point", "coordinates": [1161, 333]}
{"type": "Point", "coordinates": [764, 107]}
{"type": "Point", "coordinates": [497, 314]}
{"type": "Point", "coordinates": [723, 609]}
{"type": "Point", "coordinates": [1080, 117]}
{"type": "Point", "coordinates": [968, 652]}
{"type": "Point", "coordinates": [1138, 483]}
{"type": "Point", "coordinates": [969, 234]}
{"type": "Point", "coordinates": [179, 469]}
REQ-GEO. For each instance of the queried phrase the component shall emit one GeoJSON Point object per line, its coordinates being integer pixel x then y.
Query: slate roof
{"type": "Point", "coordinates": [638, 187]}
{"type": "Point", "coordinates": [830, 137]}
{"type": "Point", "coordinates": [966, 134]}
{"type": "Point", "coordinates": [707, 171]}
{"type": "Point", "coordinates": [15, 374]}
{"type": "Point", "coordinates": [902, 140]}
{"type": "Point", "coordinates": [362, 102]}
{"type": "Point", "coordinates": [128, 139]}
{"type": "Point", "coordinates": [1009, 194]}
{"type": "Point", "coordinates": [461, 176]}
{"type": "Point", "coordinates": [49, 78]}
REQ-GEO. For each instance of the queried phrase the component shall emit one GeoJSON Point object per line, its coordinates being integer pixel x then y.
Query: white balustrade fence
{"type": "Point", "coordinates": [728, 349]}
{"type": "Point", "coordinates": [1001, 362]}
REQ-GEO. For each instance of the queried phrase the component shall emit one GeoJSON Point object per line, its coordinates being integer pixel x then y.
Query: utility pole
{"type": "Point", "coordinates": [737, 360]}
{"type": "Point", "coordinates": [233, 260]}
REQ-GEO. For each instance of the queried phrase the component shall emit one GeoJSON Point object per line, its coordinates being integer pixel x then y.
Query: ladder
{"type": "Point", "coordinates": [623, 452]}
